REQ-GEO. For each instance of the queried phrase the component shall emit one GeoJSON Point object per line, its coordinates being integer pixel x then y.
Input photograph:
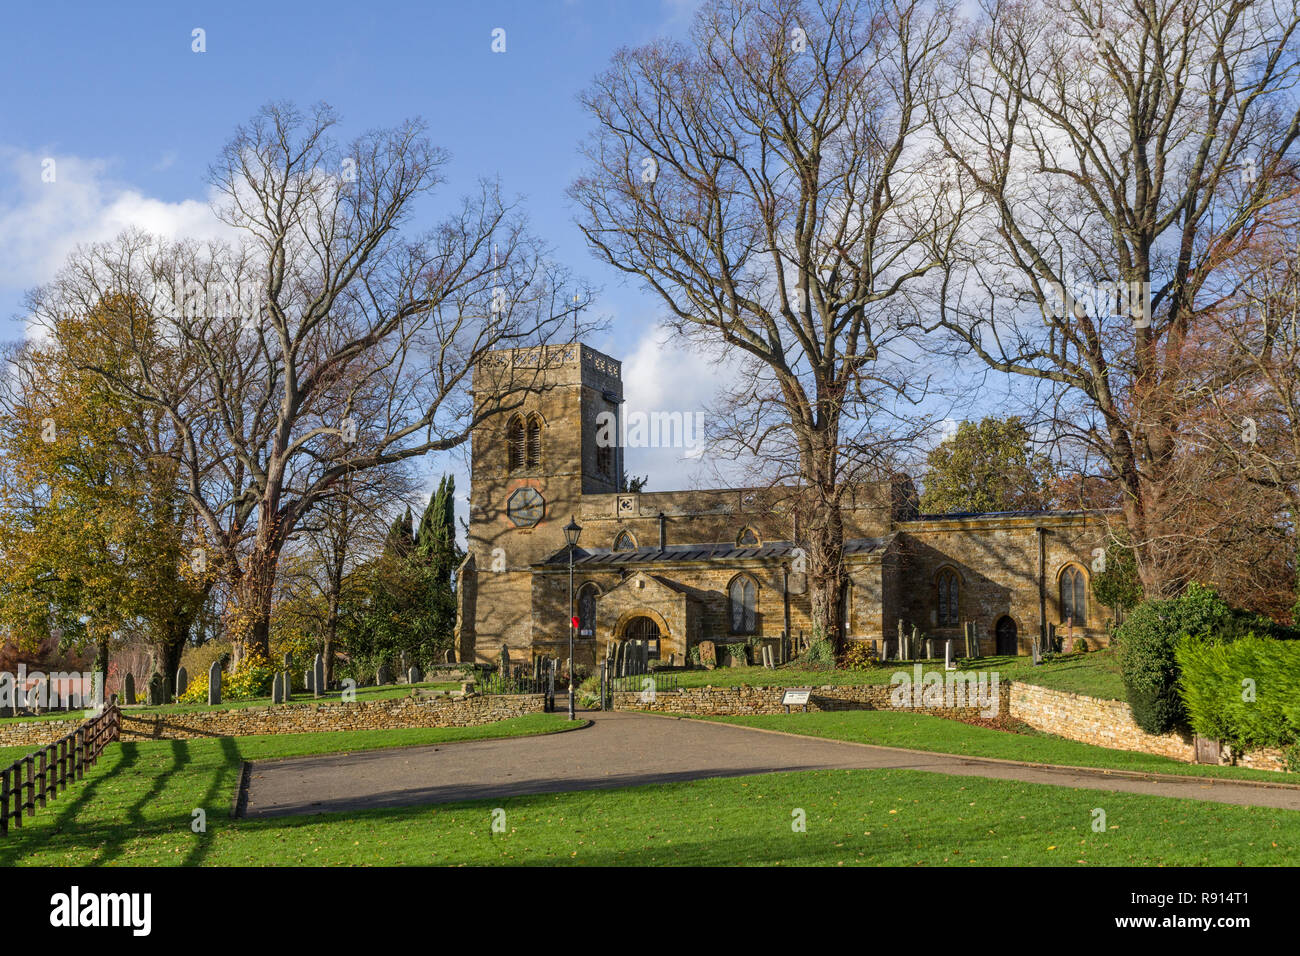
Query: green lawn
{"type": "Point", "coordinates": [890, 728]}
{"type": "Point", "coordinates": [135, 809]}
{"type": "Point", "coordinates": [1094, 674]}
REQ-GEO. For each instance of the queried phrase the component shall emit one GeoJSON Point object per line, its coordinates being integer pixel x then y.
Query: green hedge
{"type": "Point", "coordinates": [1147, 641]}
{"type": "Point", "coordinates": [1246, 693]}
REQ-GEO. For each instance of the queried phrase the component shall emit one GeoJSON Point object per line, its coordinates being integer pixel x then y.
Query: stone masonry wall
{"type": "Point", "coordinates": [1109, 723]}
{"type": "Point", "coordinates": [737, 701]}
{"type": "Point", "coordinates": [292, 719]}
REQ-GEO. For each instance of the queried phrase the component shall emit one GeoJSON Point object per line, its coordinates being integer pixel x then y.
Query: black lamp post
{"type": "Point", "coordinates": [571, 532]}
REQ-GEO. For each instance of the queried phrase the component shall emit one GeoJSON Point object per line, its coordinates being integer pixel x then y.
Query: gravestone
{"type": "Point", "coordinates": [413, 675]}
{"type": "Point", "coordinates": [947, 656]}
{"type": "Point", "coordinates": [182, 680]}
{"type": "Point", "coordinates": [285, 686]}
{"type": "Point", "coordinates": [306, 681]}
{"type": "Point", "coordinates": [214, 683]}
{"type": "Point", "coordinates": [383, 676]}
{"type": "Point", "coordinates": [155, 690]}
{"type": "Point", "coordinates": [450, 657]}
{"type": "Point", "coordinates": [929, 648]}
{"type": "Point", "coordinates": [318, 675]}
{"type": "Point", "coordinates": [128, 687]}
{"type": "Point", "coordinates": [708, 654]}
{"type": "Point", "coordinates": [277, 689]}
{"type": "Point", "coordinates": [505, 661]}
{"type": "Point", "coordinates": [672, 660]}
{"type": "Point", "coordinates": [404, 664]}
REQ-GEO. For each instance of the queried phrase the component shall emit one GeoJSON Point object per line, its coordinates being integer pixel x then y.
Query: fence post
{"type": "Point", "coordinates": [29, 798]}
{"type": "Point", "coordinates": [40, 790]}
{"type": "Point", "coordinates": [4, 801]}
{"type": "Point", "coordinates": [78, 753]}
{"type": "Point", "coordinates": [17, 790]}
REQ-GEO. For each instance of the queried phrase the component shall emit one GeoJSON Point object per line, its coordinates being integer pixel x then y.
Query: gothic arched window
{"type": "Point", "coordinates": [949, 593]}
{"type": "Point", "coordinates": [624, 542]}
{"type": "Point", "coordinates": [742, 598]}
{"type": "Point", "coordinates": [515, 443]}
{"type": "Point", "coordinates": [587, 595]}
{"type": "Point", "coordinates": [533, 443]}
{"type": "Point", "coordinates": [1074, 596]}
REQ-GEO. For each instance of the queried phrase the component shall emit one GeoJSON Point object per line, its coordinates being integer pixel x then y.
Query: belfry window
{"type": "Point", "coordinates": [533, 442]}
{"type": "Point", "coordinates": [515, 443]}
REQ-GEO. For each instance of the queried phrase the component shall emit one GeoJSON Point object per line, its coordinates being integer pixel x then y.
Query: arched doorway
{"type": "Point", "coordinates": [1005, 635]}
{"type": "Point", "coordinates": [644, 629]}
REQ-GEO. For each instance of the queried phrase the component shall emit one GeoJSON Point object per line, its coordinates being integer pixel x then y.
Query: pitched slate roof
{"type": "Point", "coordinates": [721, 551]}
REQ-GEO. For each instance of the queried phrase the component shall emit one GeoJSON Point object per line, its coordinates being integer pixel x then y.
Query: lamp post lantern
{"type": "Point", "coordinates": [571, 532]}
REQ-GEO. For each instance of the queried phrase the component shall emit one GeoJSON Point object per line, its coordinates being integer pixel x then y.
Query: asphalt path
{"type": "Point", "coordinates": [625, 749]}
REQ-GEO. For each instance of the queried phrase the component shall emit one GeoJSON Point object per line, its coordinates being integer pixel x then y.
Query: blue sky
{"type": "Point", "coordinates": [132, 117]}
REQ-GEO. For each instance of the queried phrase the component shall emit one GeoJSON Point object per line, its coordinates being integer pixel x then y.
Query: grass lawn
{"type": "Point", "coordinates": [1095, 674]}
{"type": "Point", "coordinates": [922, 732]}
{"type": "Point", "coordinates": [135, 809]}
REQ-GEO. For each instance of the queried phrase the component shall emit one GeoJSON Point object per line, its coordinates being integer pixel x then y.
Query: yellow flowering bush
{"type": "Point", "coordinates": [251, 678]}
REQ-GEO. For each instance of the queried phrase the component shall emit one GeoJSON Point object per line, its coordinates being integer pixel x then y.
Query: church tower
{"type": "Point", "coordinates": [529, 467]}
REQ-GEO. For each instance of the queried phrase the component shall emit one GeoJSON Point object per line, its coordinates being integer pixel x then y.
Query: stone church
{"type": "Point", "coordinates": [678, 567]}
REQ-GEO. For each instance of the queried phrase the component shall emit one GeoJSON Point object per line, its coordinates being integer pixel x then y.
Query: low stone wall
{"type": "Point", "coordinates": [1110, 723]}
{"type": "Point", "coordinates": [308, 717]}
{"type": "Point", "coordinates": [36, 733]}
{"type": "Point", "coordinates": [738, 701]}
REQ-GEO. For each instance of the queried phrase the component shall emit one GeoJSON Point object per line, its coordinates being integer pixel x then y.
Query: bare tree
{"type": "Point", "coordinates": [1121, 151]}
{"type": "Point", "coordinates": [770, 183]}
{"type": "Point", "coordinates": [327, 341]}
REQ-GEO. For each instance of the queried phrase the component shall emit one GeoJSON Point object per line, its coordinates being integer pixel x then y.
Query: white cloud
{"type": "Point", "coordinates": [42, 222]}
{"type": "Point", "coordinates": [664, 374]}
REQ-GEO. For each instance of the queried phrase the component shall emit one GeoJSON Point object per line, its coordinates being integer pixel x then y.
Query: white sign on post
{"type": "Point", "coordinates": [796, 697]}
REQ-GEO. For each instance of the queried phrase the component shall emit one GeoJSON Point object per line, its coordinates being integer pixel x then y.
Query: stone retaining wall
{"type": "Point", "coordinates": [1110, 723]}
{"type": "Point", "coordinates": [308, 717]}
{"type": "Point", "coordinates": [737, 701]}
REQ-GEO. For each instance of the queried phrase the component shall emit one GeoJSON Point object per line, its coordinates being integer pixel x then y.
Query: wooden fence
{"type": "Point", "coordinates": [43, 774]}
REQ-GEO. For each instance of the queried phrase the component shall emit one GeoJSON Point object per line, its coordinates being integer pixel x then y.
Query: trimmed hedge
{"type": "Point", "coordinates": [1148, 640]}
{"type": "Point", "coordinates": [1246, 693]}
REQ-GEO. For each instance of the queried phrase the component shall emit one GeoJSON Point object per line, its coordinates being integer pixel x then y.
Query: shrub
{"type": "Point", "coordinates": [820, 653]}
{"type": "Point", "coordinates": [1246, 693]}
{"type": "Point", "coordinates": [251, 679]}
{"type": "Point", "coordinates": [1147, 643]}
{"type": "Point", "coordinates": [739, 651]}
{"type": "Point", "coordinates": [858, 657]}
{"type": "Point", "coordinates": [1080, 646]}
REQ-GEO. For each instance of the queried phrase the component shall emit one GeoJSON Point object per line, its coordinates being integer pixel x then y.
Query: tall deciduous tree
{"type": "Point", "coordinates": [768, 181]}
{"type": "Point", "coordinates": [1121, 151]}
{"type": "Point", "coordinates": [329, 339]}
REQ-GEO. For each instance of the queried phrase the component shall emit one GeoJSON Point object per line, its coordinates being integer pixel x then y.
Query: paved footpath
{"type": "Point", "coordinates": [623, 749]}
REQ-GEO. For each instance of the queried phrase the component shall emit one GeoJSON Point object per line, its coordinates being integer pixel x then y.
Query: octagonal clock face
{"type": "Point", "coordinates": [525, 507]}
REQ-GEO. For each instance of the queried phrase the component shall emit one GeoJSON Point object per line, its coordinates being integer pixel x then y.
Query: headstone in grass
{"type": "Point", "coordinates": [318, 675]}
{"type": "Point", "coordinates": [128, 688]}
{"type": "Point", "coordinates": [505, 661]}
{"type": "Point", "coordinates": [383, 676]}
{"type": "Point", "coordinates": [708, 654]}
{"type": "Point", "coordinates": [404, 664]}
{"type": "Point", "coordinates": [155, 690]}
{"type": "Point", "coordinates": [182, 680]}
{"type": "Point", "coordinates": [277, 689]}
{"type": "Point", "coordinates": [413, 675]}
{"type": "Point", "coordinates": [214, 684]}
{"type": "Point", "coordinates": [306, 681]}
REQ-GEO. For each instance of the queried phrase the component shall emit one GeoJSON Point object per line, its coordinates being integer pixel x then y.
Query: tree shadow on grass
{"type": "Point", "coordinates": [217, 786]}
{"type": "Point", "coordinates": [135, 822]}
{"type": "Point", "coordinates": [65, 808]}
